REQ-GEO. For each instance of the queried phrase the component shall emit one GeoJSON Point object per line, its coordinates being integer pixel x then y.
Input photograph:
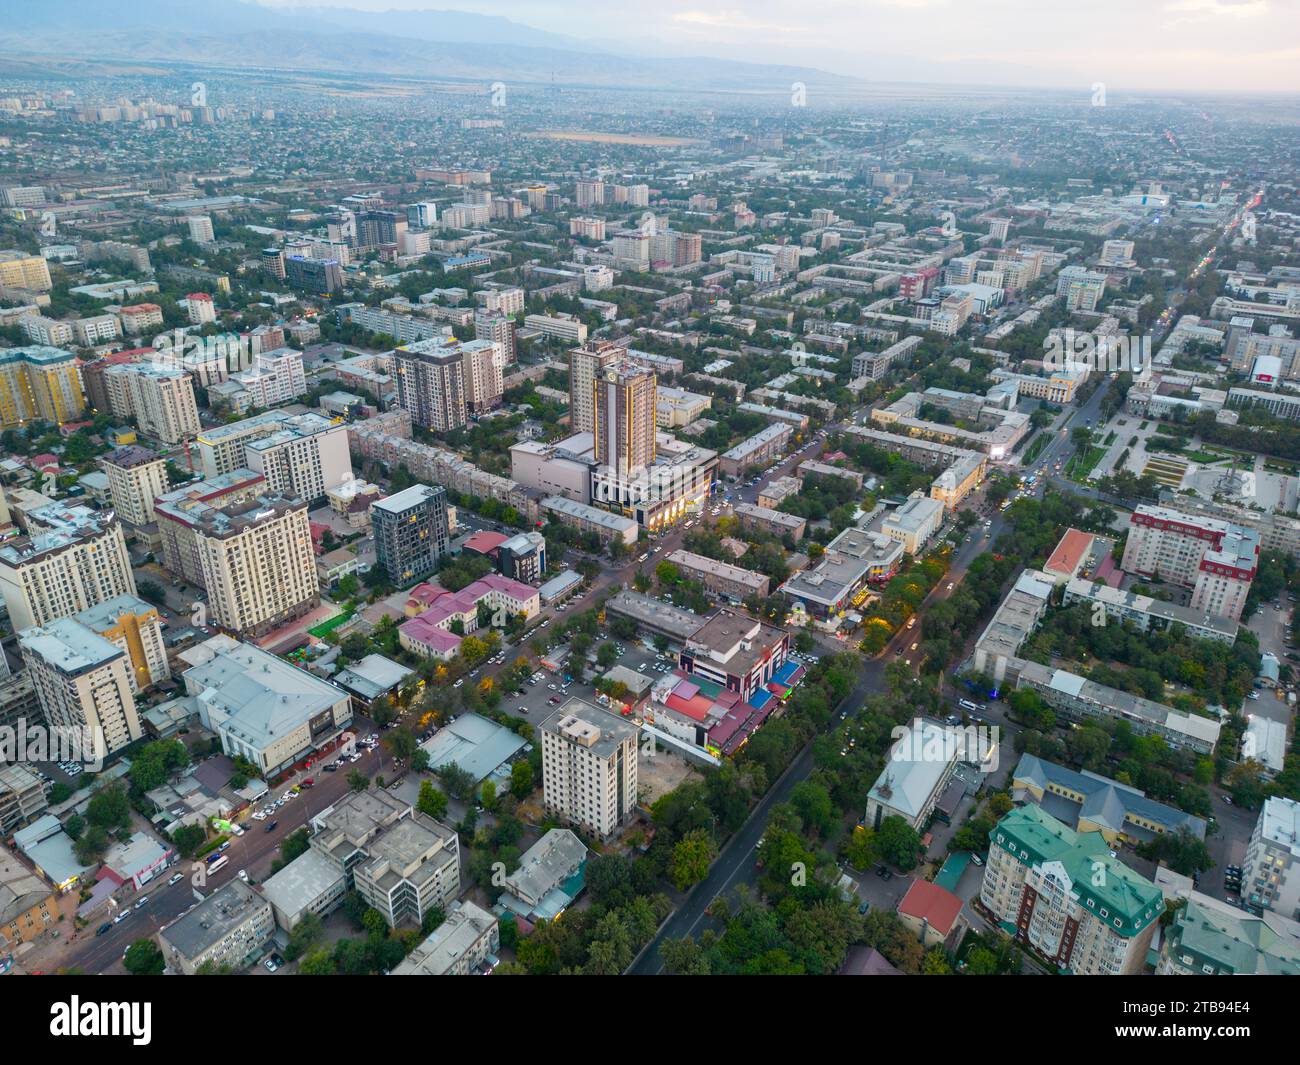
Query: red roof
{"type": "Point", "coordinates": [485, 541]}
{"type": "Point", "coordinates": [1070, 552]}
{"type": "Point", "coordinates": [937, 906]}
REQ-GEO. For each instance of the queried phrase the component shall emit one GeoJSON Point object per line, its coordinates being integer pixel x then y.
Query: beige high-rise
{"type": "Point", "coordinates": [586, 364]}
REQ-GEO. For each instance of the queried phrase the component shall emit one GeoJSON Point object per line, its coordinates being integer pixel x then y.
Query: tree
{"type": "Point", "coordinates": [188, 839]}
{"type": "Point", "coordinates": [458, 782]}
{"type": "Point", "coordinates": [358, 781]}
{"type": "Point", "coordinates": [684, 957]}
{"type": "Point", "coordinates": [431, 801]}
{"type": "Point", "coordinates": [488, 795]}
{"type": "Point", "coordinates": [143, 958]}
{"type": "Point", "coordinates": [692, 856]}
{"type": "Point", "coordinates": [521, 780]}
{"type": "Point", "coordinates": [898, 843]}
{"type": "Point", "coordinates": [318, 963]}
{"type": "Point", "coordinates": [304, 935]}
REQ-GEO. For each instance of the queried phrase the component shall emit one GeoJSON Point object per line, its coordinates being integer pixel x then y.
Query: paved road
{"type": "Point", "coordinates": [254, 852]}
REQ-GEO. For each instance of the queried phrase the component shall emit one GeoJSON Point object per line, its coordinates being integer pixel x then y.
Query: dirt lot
{"type": "Point", "coordinates": [658, 775]}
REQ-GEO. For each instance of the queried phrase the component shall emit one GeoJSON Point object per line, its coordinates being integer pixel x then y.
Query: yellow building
{"type": "Point", "coordinates": [133, 625]}
{"type": "Point", "coordinates": [20, 270]}
{"type": "Point", "coordinates": [27, 906]}
{"type": "Point", "coordinates": [39, 383]}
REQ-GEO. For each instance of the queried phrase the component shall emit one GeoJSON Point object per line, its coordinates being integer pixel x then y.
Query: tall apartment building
{"type": "Point", "coordinates": [134, 626]}
{"type": "Point", "coordinates": [586, 227]}
{"type": "Point", "coordinates": [506, 301]}
{"type": "Point", "coordinates": [82, 682]}
{"type": "Point", "coordinates": [180, 511]}
{"type": "Point", "coordinates": [200, 309]}
{"type": "Point", "coordinates": [1081, 288]}
{"type": "Point", "coordinates": [159, 398]}
{"type": "Point", "coordinates": [411, 532]}
{"type": "Point", "coordinates": [200, 227]}
{"type": "Point", "coordinates": [39, 383]}
{"type": "Point", "coordinates": [625, 407]}
{"type": "Point", "coordinates": [1270, 873]}
{"type": "Point", "coordinates": [276, 377]}
{"type": "Point", "coordinates": [18, 269]}
{"type": "Point", "coordinates": [298, 454]}
{"type": "Point", "coordinates": [73, 558]}
{"type": "Point", "coordinates": [140, 318]}
{"type": "Point", "coordinates": [586, 364]}
{"type": "Point", "coordinates": [321, 276]}
{"type": "Point", "coordinates": [410, 868]}
{"type": "Point", "coordinates": [49, 332]}
{"type": "Point", "coordinates": [1060, 892]}
{"type": "Point", "coordinates": [258, 565]}
{"type": "Point", "coordinates": [1216, 559]}
{"type": "Point", "coordinates": [441, 380]}
{"type": "Point", "coordinates": [589, 194]}
{"type": "Point", "coordinates": [136, 477]}
{"type": "Point", "coordinates": [499, 330]}
{"type": "Point", "coordinates": [589, 767]}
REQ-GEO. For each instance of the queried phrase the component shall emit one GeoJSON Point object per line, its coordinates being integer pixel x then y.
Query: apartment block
{"type": "Point", "coordinates": [18, 269]}
{"type": "Point", "coordinates": [586, 365]}
{"type": "Point", "coordinates": [229, 930]}
{"type": "Point", "coordinates": [179, 514]}
{"type": "Point", "coordinates": [1270, 873]}
{"type": "Point", "coordinates": [1216, 559]}
{"type": "Point", "coordinates": [589, 767]}
{"type": "Point", "coordinates": [159, 398]}
{"type": "Point", "coordinates": [721, 578]}
{"type": "Point", "coordinates": [136, 477]}
{"type": "Point", "coordinates": [39, 383]}
{"type": "Point", "coordinates": [411, 532]}
{"type": "Point", "coordinates": [83, 683]}
{"type": "Point", "coordinates": [258, 565]}
{"type": "Point", "coordinates": [461, 945]}
{"type": "Point", "coordinates": [301, 454]}
{"type": "Point", "coordinates": [72, 558]}
{"type": "Point", "coordinates": [1060, 893]}
{"type": "Point", "coordinates": [136, 628]}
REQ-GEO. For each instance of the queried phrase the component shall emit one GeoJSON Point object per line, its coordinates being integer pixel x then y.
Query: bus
{"type": "Point", "coordinates": [220, 863]}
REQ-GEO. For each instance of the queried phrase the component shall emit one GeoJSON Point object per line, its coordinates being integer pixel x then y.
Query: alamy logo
{"type": "Point", "coordinates": [77, 1018]}
{"type": "Point", "coordinates": [976, 744]}
{"type": "Point", "coordinates": [1070, 350]}
{"type": "Point", "coordinates": [21, 742]}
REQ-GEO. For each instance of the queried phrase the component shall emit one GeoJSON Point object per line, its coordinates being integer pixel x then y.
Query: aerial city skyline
{"type": "Point", "coordinates": [539, 490]}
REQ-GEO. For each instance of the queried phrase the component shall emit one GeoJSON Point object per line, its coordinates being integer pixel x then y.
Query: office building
{"type": "Point", "coordinates": [320, 276]}
{"type": "Point", "coordinates": [83, 684]}
{"type": "Point", "coordinates": [261, 707]}
{"type": "Point", "coordinates": [589, 767]}
{"type": "Point", "coordinates": [1060, 893]}
{"type": "Point", "coordinates": [410, 868]}
{"type": "Point", "coordinates": [559, 326]}
{"type": "Point", "coordinates": [916, 774]}
{"type": "Point", "coordinates": [736, 652]}
{"type": "Point", "coordinates": [200, 227]}
{"type": "Point", "coordinates": [463, 944]}
{"type": "Point", "coordinates": [411, 532]}
{"type": "Point", "coordinates": [914, 523]}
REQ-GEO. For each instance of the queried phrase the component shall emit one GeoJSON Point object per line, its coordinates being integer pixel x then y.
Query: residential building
{"type": "Point", "coordinates": [464, 943]}
{"type": "Point", "coordinates": [1210, 938]}
{"type": "Point", "coordinates": [23, 795]}
{"type": "Point", "coordinates": [134, 626]}
{"type": "Point", "coordinates": [625, 409]}
{"type": "Point", "coordinates": [589, 767]}
{"type": "Point", "coordinates": [1216, 559]}
{"type": "Point", "coordinates": [1148, 614]}
{"type": "Point", "coordinates": [72, 558]}
{"type": "Point", "coordinates": [1270, 873]}
{"type": "Point", "coordinates": [587, 365]}
{"type": "Point", "coordinates": [179, 513]}
{"type": "Point", "coordinates": [257, 562]}
{"type": "Point", "coordinates": [560, 326]}
{"type": "Point", "coordinates": [549, 877]}
{"type": "Point", "coordinates": [20, 270]}
{"type": "Point", "coordinates": [914, 523]}
{"type": "Point", "coordinates": [411, 532]}
{"type": "Point", "coordinates": [303, 454]}
{"type": "Point", "coordinates": [227, 931]}
{"type": "Point", "coordinates": [28, 908]}
{"type": "Point", "coordinates": [758, 450]}
{"type": "Point", "coordinates": [1060, 893]}
{"type": "Point", "coordinates": [83, 684]}
{"type": "Point", "coordinates": [590, 519]}
{"type": "Point", "coordinates": [39, 383]}
{"type": "Point", "coordinates": [721, 578]}
{"type": "Point", "coordinates": [136, 477]}
{"type": "Point", "coordinates": [159, 398]}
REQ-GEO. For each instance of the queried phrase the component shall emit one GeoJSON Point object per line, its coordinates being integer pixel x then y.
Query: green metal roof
{"type": "Point", "coordinates": [1105, 887]}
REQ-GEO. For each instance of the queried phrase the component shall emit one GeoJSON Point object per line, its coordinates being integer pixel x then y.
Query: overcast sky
{"type": "Point", "coordinates": [1214, 45]}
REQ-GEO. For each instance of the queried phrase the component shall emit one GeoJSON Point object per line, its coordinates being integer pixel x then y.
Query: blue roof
{"type": "Point", "coordinates": [786, 673]}
{"type": "Point", "coordinates": [759, 699]}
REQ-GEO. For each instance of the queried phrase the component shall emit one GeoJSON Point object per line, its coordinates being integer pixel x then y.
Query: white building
{"type": "Point", "coordinates": [589, 767]}
{"type": "Point", "coordinates": [1270, 874]}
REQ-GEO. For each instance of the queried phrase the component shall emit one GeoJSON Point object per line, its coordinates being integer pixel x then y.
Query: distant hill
{"type": "Point", "coordinates": [431, 44]}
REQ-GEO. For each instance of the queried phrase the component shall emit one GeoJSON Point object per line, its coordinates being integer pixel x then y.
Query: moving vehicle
{"type": "Point", "coordinates": [176, 878]}
{"type": "Point", "coordinates": [221, 862]}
